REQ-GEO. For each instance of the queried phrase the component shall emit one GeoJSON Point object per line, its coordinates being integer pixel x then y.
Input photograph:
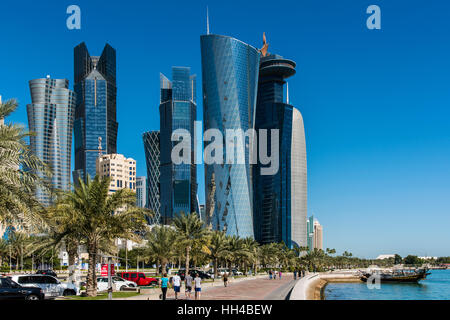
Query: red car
{"type": "Point", "coordinates": [139, 278]}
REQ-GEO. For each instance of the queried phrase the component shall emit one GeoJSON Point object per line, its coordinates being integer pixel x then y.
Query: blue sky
{"type": "Point", "coordinates": [375, 102]}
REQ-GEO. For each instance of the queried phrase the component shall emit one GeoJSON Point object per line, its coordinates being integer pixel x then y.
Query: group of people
{"type": "Point", "coordinates": [300, 273]}
{"type": "Point", "coordinates": [273, 274]}
{"type": "Point", "coordinates": [175, 282]}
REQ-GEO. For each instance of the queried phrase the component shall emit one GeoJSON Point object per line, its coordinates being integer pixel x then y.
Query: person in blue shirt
{"type": "Point", "coordinates": [163, 283]}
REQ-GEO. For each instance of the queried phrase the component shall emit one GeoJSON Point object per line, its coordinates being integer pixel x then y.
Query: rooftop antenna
{"type": "Point", "coordinates": [207, 20]}
{"type": "Point", "coordinates": [287, 92]}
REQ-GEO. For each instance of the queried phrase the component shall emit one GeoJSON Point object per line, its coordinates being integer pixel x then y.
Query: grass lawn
{"type": "Point", "coordinates": [102, 296]}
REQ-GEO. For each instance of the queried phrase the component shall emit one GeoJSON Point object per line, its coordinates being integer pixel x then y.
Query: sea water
{"type": "Point", "coordinates": [435, 287]}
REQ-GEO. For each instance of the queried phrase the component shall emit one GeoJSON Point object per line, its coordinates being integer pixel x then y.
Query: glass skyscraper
{"type": "Point", "coordinates": [50, 116]}
{"type": "Point", "coordinates": [95, 112]}
{"type": "Point", "coordinates": [280, 199]}
{"type": "Point", "coordinates": [230, 75]}
{"type": "Point", "coordinates": [178, 110]}
{"type": "Point", "coordinates": [152, 159]}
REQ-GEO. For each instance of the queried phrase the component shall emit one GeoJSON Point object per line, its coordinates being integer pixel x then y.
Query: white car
{"type": "Point", "coordinates": [118, 283]}
{"type": "Point", "coordinates": [51, 286]}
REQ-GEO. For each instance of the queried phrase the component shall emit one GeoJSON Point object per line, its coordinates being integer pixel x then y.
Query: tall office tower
{"type": "Point", "coordinates": [141, 192]}
{"type": "Point", "coordinates": [310, 233]}
{"type": "Point", "coordinates": [95, 112]}
{"type": "Point", "coordinates": [280, 199]}
{"type": "Point", "coordinates": [50, 116]}
{"type": "Point", "coordinates": [152, 159]}
{"type": "Point", "coordinates": [230, 77]}
{"type": "Point", "coordinates": [120, 169]}
{"type": "Point", "coordinates": [318, 235]}
{"type": "Point", "coordinates": [178, 110]}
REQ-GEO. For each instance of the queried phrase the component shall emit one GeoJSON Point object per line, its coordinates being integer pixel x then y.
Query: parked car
{"type": "Point", "coordinates": [48, 273]}
{"type": "Point", "coordinates": [236, 272]}
{"type": "Point", "coordinates": [51, 286]}
{"type": "Point", "coordinates": [10, 290]}
{"type": "Point", "coordinates": [138, 277]}
{"type": "Point", "coordinates": [203, 275]}
{"type": "Point", "coordinates": [118, 283]}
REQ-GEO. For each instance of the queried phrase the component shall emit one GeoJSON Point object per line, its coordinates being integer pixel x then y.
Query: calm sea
{"type": "Point", "coordinates": [435, 287]}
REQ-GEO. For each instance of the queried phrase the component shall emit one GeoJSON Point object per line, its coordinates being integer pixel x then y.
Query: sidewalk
{"type": "Point", "coordinates": [249, 288]}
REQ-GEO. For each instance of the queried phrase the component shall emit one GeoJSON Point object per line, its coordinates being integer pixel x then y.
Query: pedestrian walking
{"type": "Point", "coordinates": [275, 275]}
{"type": "Point", "coordinates": [225, 279]}
{"type": "Point", "coordinates": [270, 274]}
{"type": "Point", "coordinates": [295, 274]}
{"type": "Point", "coordinates": [163, 285]}
{"type": "Point", "coordinates": [279, 274]}
{"type": "Point", "coordinates": [176, 282]}
{"type": "Point", "coordinates": [198, 286]}
{"type": "Point", "coordinates": [188, 286]}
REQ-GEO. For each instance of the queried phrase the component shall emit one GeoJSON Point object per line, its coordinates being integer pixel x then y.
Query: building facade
{"type": "Point", "coordinates": [310, 233]}
{"type": "Point", "coordinates": [178, 110]}
{"type": "Point", "coordinates": [230, 75]}
{"type": "Point", "coordinates": [95, 111]}
{"type": "Point", "coordinates": [141, 192]}
{"type": "Point", "coordinates": [152, 160]}
{"type": "Point", "coordinates": [120, 169]}
{"type": "Point", "coordinates": [51, 117]}
{"type": "Point", "coordinates": [318, 236]}
{"type": "Point", "coordinates": [280, 199]}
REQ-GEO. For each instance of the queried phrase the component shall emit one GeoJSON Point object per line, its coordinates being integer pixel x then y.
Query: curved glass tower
{"type": "Point", "coordinates": [230, 75]}
{"type": "Point", "coordinates": [50, 116]}
{"type": "Point", "coordinates": [280, 199]}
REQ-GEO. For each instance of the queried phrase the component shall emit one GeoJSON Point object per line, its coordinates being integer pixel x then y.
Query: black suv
{"type": "Point", "coordinates": [203, 275]}
{"type": "Point", "coordinates": [9, 290]}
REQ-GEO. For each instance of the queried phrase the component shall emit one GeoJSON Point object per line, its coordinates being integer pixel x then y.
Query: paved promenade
{"type": "Point", "coordinates": [260, 288]}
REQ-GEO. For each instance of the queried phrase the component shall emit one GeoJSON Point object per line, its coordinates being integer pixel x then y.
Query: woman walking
{"type": "Point", "coordinates": [198, 286]}
{"type": "Point", "coordinates": [225, 279]}
{"type": "Point", "coordinates": [163, 285]}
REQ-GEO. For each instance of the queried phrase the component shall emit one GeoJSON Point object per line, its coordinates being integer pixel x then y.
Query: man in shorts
{"type": "Point", "coordinates": [176, 282]}
{"type": "Point", "coordinates": [188, 286]}
{"type": "Point", "coordinates": [198, 286]}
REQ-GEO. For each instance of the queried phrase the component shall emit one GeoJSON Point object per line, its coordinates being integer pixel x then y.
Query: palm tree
{"type": "Point", "coordinates": [160, 245]}
{"type": "Point", "coordinates": [218, 248]}
{"type": "Point", "coordinates": [99, 218]}
{"type": "Point", "coordinates": [20, 173]}
{"type": "Point", "coordinates": [190, 232]}
{"type": "Point", "coordinates": [251, 247]}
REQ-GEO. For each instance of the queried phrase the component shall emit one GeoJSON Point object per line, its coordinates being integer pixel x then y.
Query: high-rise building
{"type": "Point", "coordinates": [152, 160]}
{"type": "Point", "coordinates": [280, 198]}
{"type": "Point", "coordinates": [95, 112]}
{"type": "Point", "coordinates": [318, 235]}
{"type": "Point", "coordinates": [50, 116]}
{"type": "Point", "coordinates": [310, 232]}
{"type": "Point", "coordinates": [230, 75]}
{"type": "Point", "coordinates": [120, 169]}
{"type": "Point", "coordinates": [141, 192]}
{"type": "Point", "coordinates": [178, 110]}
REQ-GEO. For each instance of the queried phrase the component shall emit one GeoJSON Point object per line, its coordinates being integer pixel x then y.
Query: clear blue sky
{"type": "Point", "coordinates": [375, 103]}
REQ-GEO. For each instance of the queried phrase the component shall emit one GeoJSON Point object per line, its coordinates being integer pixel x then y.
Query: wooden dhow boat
{"type": "Point", "coordinates": [403, 275]}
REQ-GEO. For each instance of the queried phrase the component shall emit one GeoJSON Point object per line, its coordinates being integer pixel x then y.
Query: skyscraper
{"type": "Point", "coordinates": [178, 110]}
{"type": "Point", "coordinates": [152, 159]}
{"type": "Point", "coordinates": [280, 199]}
{"type": "Point", "coordinates": [310, 232]}
{"type": "Point", "coordinates": [95, 112]}
{"type": "Point", "coordinates": [50, 116]}
{"type": "Point", "coordinates": [141, 192]}
{"type": "Point", "coordinates": [318, 235]}
{"type": "Point", "coordinates": [230, 75]}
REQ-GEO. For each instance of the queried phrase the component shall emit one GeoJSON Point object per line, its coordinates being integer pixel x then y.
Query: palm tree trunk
{"type": "Point", "coordinates": [72, 253]}
{"type": "Point", "coordinates": [215, 269]}
{"type": "Point", "coordinates": [91, 283]}
{"type": "Point", "coordinates": [188, 249]}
